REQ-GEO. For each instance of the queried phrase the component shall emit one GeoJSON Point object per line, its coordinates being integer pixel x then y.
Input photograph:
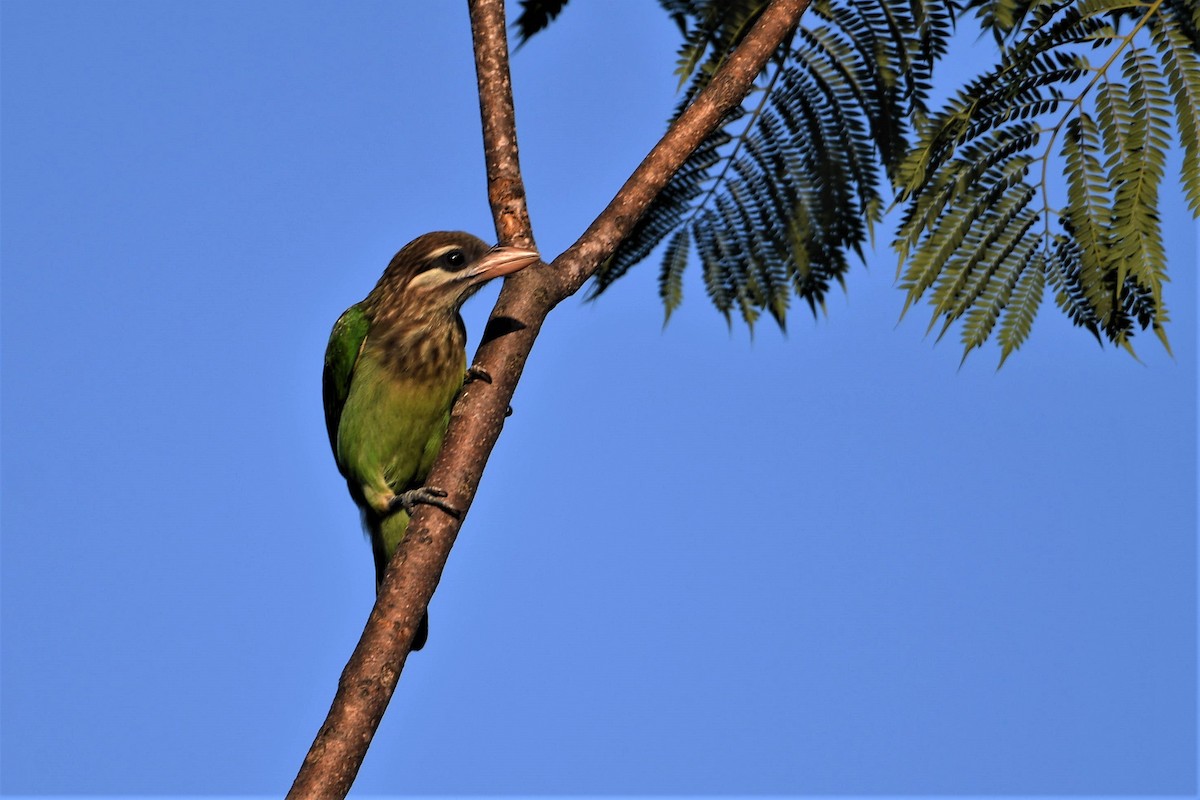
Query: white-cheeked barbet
{"type": "Point", "coordinates": [393, 367]}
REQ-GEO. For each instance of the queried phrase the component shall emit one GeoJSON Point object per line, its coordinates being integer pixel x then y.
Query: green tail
{"type": "Point", "coordinates": [386, 534]}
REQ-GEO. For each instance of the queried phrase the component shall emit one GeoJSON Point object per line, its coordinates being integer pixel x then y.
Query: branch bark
{"type": "Point", "coordinates": [506, 188]}
{"type": "Point", "coordinates": [371, 675]}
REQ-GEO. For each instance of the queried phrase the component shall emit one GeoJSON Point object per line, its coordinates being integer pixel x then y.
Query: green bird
{"type": "Point", "coordinates": [393, 367]}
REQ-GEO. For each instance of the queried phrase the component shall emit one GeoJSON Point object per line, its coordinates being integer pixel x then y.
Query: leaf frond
{"type": "Point", "coordinates": [971, 237]}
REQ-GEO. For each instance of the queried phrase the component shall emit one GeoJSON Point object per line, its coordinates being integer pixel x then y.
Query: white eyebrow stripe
{"type": "Point", "coordinates": [440, 251]}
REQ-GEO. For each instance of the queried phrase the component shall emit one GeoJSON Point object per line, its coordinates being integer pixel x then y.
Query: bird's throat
{"type": "Point", "coordinates": [422, 348]}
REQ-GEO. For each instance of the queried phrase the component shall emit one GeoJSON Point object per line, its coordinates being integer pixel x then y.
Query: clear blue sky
{"type": "Point", "coordinates": [823, 563]}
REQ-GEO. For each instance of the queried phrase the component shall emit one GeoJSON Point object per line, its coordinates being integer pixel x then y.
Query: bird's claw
{"type": "Point", "coordinates": [477, 373]}
{"type": "Point", "coordinates": [426, 495]}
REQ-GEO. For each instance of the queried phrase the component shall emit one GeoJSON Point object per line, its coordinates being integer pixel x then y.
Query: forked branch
{"type": "Point", "coordinates": [370, 677]}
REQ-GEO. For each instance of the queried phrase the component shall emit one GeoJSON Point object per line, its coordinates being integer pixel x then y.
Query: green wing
{"type": "Point", "coordinates": [341, 354]}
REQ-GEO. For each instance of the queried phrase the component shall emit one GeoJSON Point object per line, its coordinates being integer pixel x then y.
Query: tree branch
{"type": "Point", "coordinates": [370, 677]}
{"type": "Point", "coordinates": [727, 88]}
{"type": "Point", "coordinates": [506, 189]}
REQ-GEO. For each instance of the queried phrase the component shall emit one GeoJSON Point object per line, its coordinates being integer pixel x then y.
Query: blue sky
{"type": "Point", "coordinates": [827, 562]}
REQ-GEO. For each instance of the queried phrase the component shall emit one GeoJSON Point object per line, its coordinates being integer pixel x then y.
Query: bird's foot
{"type": "Point", "coordinates": [427, 495]}
{"type": "Point", "coordinates": [477, 373]}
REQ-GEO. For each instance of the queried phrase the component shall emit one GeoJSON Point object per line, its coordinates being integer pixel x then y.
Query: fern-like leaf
{"type": "Point", "coordinates": [971, 235]}
{"type": "Point", "coordinates": [1026, 298]}
{"type": "Point", "coordinates": [1180, 57]}
{"type": "Point", "coordinates": [670, 280]}
{"type": "Point", "coordinates": [1042, 172]}
{"type": "Point", "coordinates": [790, 185]}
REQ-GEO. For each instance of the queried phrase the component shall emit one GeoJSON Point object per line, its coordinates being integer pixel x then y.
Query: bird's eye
{"type": "Point", "coordinates": [455, 258]}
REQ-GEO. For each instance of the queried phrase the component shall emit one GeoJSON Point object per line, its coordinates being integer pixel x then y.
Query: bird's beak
{"type": "Point", "coordinates": [501, 261]}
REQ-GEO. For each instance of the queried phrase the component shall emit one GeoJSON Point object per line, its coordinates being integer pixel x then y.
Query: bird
{"type": "Point", "coordinates": [394, 365]}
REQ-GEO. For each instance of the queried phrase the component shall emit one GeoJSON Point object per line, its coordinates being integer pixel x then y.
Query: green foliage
{"type": "Point", "coordinates": [775, 200]}
{"type": "Point", "coordinates": [1091, 90]}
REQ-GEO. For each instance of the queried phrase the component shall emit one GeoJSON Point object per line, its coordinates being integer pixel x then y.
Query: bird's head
{"type": "Point", "coordinates": [439, 271]}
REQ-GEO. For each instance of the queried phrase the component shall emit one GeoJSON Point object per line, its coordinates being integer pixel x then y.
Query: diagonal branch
{"type": "Point", "coordinates": [371, 675]}
{"type": "Point", "coordinates": [728, 87]}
